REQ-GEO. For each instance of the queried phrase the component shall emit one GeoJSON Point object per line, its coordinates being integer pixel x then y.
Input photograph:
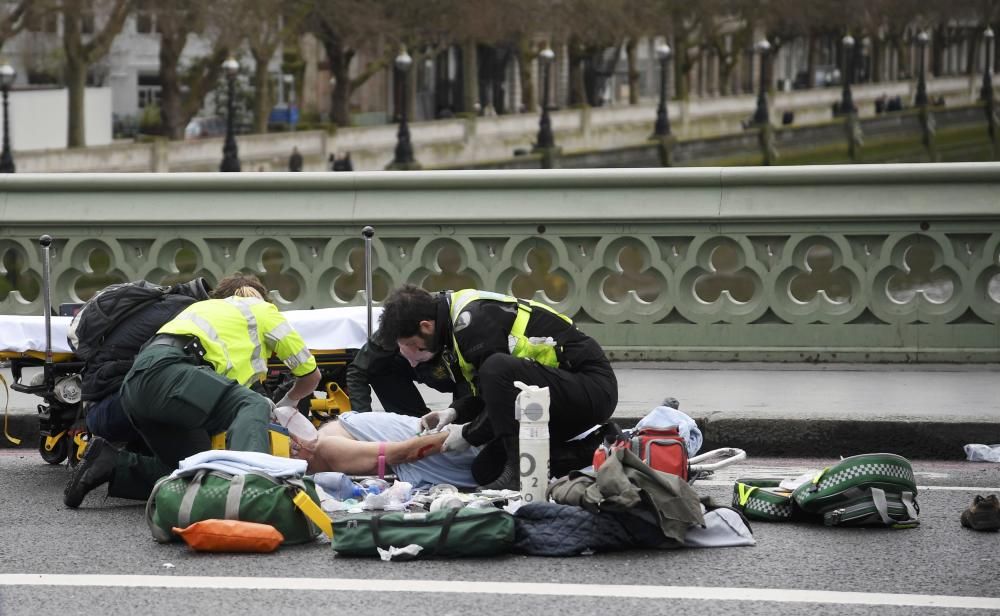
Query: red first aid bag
{"type": "Point", "coordinates": [662, 449]}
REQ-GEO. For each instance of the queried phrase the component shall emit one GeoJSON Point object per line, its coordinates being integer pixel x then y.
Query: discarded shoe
{"type": "Point", "coordinates": [94, 469]}
{"type": "Point", "coordinates": [983, 513]}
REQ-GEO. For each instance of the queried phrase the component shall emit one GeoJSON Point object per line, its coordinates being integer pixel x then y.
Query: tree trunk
{"type": "Point", "coordinates": [470, 74]}
{"type": "Point", "coordinates": [902, 59]}
{"type": "Point", "coordinates": [341, 94]}
{"type": "Point", "coordinates": [973, 53]}
{"type": "Point", "coordinates": [76, 73]}
{"type": "Point", "coordinates": [682, 77]}
{"type": "Point", "coordinates": [76, 84]}
{"type": "Point", "coordinates": [727, 63]}
{"type": "Point", "coordinates": [262, 101]}
{"type": "Point", "coordinates": [524, 58]}
{"type": "Point", "coordinates": [170, 88]}
{"type": "Point", "coordinates": [577, 86]}
{"type": "Point", "coordinates": [875, 75]}
{"type": "Point", "coordinates": [811, 61]}
{"type": "Point", "coordinates": [631, 55]}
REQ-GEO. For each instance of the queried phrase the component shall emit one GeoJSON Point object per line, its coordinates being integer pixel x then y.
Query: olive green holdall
{"type": "Point", "coordinates": [449, 532]}
{"type": "Point", "coordinates": [290, 505]}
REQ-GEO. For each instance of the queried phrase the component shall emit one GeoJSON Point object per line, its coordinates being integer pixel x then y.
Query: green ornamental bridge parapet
{"type": "Point", "coordinates": [851, 263]}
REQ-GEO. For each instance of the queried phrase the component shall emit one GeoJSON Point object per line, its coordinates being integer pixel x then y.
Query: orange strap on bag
{"type": "Point", "coordinates": [231, 536]}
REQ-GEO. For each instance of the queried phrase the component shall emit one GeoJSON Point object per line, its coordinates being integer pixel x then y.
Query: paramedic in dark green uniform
{"type": "Point", "coordinates": [192, 381]}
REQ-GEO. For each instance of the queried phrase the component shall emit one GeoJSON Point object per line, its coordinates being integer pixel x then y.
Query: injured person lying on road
{"type": "Point", "coordinates": [354, 443]}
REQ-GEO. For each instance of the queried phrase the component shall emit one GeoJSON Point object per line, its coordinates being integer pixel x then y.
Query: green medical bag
{"type": "Point", "coordinates": [762, 499]}
{"type": "Point", "coordinates": [877, 488]}
{"type": "Point", "coordinates": [253, 497]}
{"type": "Point", "coordinates": [449, 532]}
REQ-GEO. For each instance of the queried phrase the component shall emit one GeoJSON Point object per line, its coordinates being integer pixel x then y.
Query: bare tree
{"type": "Point", "coordinates": [183, 88]}
{"type": "Point", "coordinates": [350, 29]}
{"type": "Point", "coordinates": [80, 16]}
{"type": "Point", "coordinates": [12, 19]}
{"type": "Point", "coordinates": [266, 24]}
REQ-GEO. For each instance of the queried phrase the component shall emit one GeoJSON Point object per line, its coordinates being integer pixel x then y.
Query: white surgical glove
{"type": "Point", "coordinates": [286, 401]}
{"type": "Point", "coordinates": [455, 442]}
{"type": "Point", "coordinates": [436, 420]}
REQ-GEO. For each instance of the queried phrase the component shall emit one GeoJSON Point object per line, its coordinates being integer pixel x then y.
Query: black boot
{"type": "Point", "coordinates": [95, 469]}
{"type": "Point", "coordinates": [510, 475]}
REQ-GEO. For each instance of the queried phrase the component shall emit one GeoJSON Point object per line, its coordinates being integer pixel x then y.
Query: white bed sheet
{"type": "Point", "coordinates": [323, 329]}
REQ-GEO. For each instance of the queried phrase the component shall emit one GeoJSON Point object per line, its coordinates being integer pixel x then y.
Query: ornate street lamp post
{"type": "Point", "coordinates": [987, 91]}
{"type": "Point", "coordinates": [7, 75]}
{"type": "Point", "coordinates": [545, 139]}
{"type": "Point", "coordinates": [762, 115]}
{"type": "Point", "coordinates": [846, 97]}
{"type": "Point", "coordinates": [662, 126]}
{"type": "Point", "coordinates": [926, 118]}
{"type": "Point", "coordinates": [230, 154]}
{"type": "Point", "coordinates": [921, 98]}
{"type": "Point", "coordinates": [403, 158]}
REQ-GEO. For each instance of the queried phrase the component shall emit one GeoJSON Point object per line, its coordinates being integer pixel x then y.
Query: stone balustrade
{"type": "Point", "coordinates": [852, 263]}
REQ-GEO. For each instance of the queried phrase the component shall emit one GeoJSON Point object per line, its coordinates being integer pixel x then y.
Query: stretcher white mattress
{"type": "Point", "coordinates": [323, 330]}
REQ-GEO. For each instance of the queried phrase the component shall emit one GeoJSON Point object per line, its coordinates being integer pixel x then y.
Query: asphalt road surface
{"type": "Point", "coordinates": [101, 559]}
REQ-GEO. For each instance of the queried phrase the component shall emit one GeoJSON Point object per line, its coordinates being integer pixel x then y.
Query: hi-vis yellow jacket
{"type": "Point", "coordinates": [240, 334]}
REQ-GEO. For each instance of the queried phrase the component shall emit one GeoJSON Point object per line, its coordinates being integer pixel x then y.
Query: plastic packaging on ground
{"type": "Point", "coordinates": [982, 453]}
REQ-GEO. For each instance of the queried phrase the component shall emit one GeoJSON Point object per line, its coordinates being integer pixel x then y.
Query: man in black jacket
{"type": "Point", "coordinates": [379, 367]}
{"type": "Point", "coordinates": [497, 340]}
{"type": "Point", "coordinates": [105, 370]}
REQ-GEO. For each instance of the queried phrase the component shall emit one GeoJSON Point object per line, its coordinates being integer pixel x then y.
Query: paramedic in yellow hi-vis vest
{"type": "Point", "coordinates": [192, 380]}
{"type": "Point", "coordinates": [497, 340]}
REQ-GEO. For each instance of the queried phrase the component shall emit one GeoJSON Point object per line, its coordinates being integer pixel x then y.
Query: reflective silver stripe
{"type": "Point", "coordinates": [259, 365]}
{"type": "Point", "coordinates": [210, 333]}
{"type": "Point", "coordinates": [278, 333]}
{"type": "Point", "coordinates": [298, 359]}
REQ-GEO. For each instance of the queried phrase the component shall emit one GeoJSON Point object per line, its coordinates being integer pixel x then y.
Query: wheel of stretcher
{"type": "Point", "coordinates": [762, 499]}
{"type": "Point", "coordinates": [57, 454]}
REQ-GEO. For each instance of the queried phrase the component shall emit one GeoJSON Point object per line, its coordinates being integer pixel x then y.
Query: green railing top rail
{"type": "Point", "coordinates": [852, 192]}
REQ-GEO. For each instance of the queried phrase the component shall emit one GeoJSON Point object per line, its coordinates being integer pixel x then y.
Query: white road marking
{"type": "Point", "coordinates": [709, 593]}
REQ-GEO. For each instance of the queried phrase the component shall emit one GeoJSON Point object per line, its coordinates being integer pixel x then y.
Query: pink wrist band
{"type": "Point", "coordinates": [381, 460]}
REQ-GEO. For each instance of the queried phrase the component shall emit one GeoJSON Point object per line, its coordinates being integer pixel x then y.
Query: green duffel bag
{"type": "Point", "coordinates": [762, 499]}
{"type": "Point", "coordinates": [876, 488]}
{"type": "Point", "coordinates": [449, 532]}
{"type": "Point", "coordinates": [290, 505]}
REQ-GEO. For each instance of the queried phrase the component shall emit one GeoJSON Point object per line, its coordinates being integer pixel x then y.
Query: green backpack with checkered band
{"type": "Point", "coordinates": [876, 488]}
{"type": "Point", "coordinates": [763, 499]}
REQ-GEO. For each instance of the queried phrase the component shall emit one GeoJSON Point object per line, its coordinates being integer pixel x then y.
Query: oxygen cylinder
{"type": "Point", "coordinates": [532, 409]}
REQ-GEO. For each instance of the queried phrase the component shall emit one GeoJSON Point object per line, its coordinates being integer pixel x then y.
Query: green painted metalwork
{"type": "Point", "coordinates": [855, 263]}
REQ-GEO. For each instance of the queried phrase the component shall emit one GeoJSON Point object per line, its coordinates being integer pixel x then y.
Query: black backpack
{"type": "Point", "coordinates": [114, 303]}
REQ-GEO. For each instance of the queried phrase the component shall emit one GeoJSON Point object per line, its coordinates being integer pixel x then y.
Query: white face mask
{"type": "Point", "coordinates": [416, 357]}
{"type": "Point", "coordinates": [414, 350]}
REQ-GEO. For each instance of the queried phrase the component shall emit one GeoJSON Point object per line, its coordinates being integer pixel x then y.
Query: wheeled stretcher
{"type": "Point", "coordinates": [333, 335]}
